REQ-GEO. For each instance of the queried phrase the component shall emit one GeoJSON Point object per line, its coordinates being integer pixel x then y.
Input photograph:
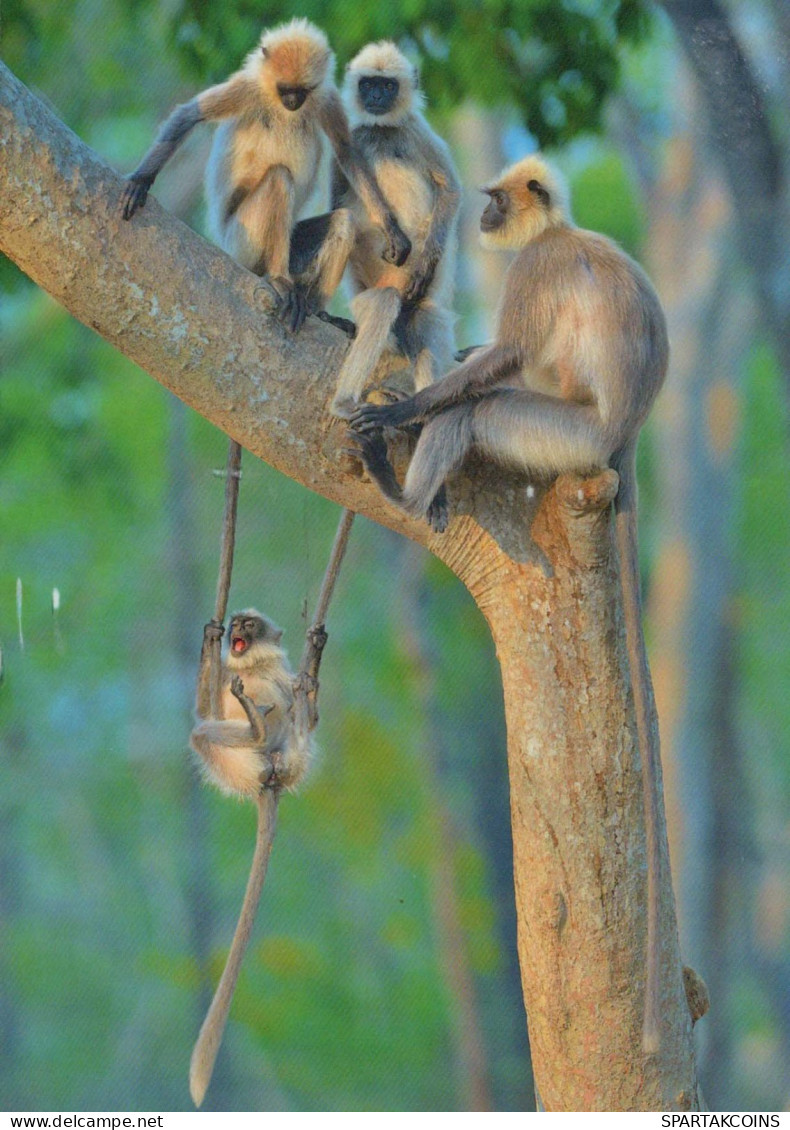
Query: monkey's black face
{"type": "Point", "coordinates": [244, 631]}
{"type": "Point", "coordinates": [378, 93]}
{"type": "Point", "coordinates": [496, 211]}
{"type": "Point", "coordinates": [293, 97]}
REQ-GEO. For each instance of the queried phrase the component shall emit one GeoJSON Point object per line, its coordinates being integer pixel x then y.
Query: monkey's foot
{"type": "Point", "coordinates": [348, 327]}
{"type": "Point", "coordinates": [371, 449]}
{"type": "Point", "coordinates": [292, 306]}
{"type": "Point", "coordinates": [213, 631]}
{"type": "Point", "coordinates": [275, 773]}
{"type": "Point", "coordinates": [438, 514]}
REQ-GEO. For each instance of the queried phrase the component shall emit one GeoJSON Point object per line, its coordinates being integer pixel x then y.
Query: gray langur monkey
{"type": "Point", "coordinates": [254, 749]}
{"type": "Point", "coordinates": [414, 169]}
{"type": "Point", "coordinates": [580, 354]}
{"type": "Point", "coordinates": [264, 169]}
{"type": "Point", "coordinates": [254, 742]}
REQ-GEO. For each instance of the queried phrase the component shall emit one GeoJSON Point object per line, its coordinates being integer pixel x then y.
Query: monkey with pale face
{"type": "Point", "coordinates": [407, 306]}
{"type": "Point", "coordinates": [580, 354]}
{"type": "Point", "coordinates": [254, 742]}
{"type": "Point", "coordinates": [265, 164]}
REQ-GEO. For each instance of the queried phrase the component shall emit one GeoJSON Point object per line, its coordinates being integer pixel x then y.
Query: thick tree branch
{"type": "Point", "coordinates": [539, 564]}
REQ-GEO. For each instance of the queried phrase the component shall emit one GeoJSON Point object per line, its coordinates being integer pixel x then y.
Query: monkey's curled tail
{"type": "Point", "coordinates": [628, 549]}
{"type": "Point", "coordinates": [207, 1045]}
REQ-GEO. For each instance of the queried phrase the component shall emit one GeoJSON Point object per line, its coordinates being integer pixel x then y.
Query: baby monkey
{"type": "Point", "coordinates": [253, 743]}
{"type": "Point", "coordinates": [265, 166]}
{"type": "Point", "coordinates": [580, 354]}
{"type": "Point", "coordinates": [255, 748]}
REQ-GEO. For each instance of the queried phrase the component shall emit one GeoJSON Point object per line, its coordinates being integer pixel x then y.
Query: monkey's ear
{"type": "Point", "coordinates": [265, 52]}
{"type": "Point", "coordinates": [415, 76]}
{"type": "Point", "coordinates": [540, 191]}
{"type": "Point", "coordinates": [277, 635]}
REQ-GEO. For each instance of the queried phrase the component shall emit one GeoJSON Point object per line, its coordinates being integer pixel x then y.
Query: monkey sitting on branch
{"type": "Point", "coordinates": [264, 169]}
{"type": "Point", "coordinates": [409, 305]}
{"type": "Point", "coordinates": [580, 354]}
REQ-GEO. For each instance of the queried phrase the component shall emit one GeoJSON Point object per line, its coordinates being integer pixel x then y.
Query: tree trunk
{"type": "Point", "coordinates": [542, 570]}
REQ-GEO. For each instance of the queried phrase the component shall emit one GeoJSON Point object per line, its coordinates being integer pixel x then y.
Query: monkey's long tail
{"type": "Point", "coordinates": [628, 549]}
{"type": "Point", "coordinates": [209, 1039]}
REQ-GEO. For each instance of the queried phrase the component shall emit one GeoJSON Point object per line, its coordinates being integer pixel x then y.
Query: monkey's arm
{"type": "Point", "coordinates": [447, 200]}
{"type": "Point", "coordinates": [209, 657]}
{"type": "Point", "coordinates": [255, 714]}
{"type": "Point", "coordinates": [360, 176]}
{"type": "Point", "coordinates": [469, 382]}
{"type": "Point", "coordinates": [217, 102]}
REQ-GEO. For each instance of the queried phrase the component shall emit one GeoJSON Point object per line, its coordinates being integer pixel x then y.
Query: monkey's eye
{"type": "Point", "coordinates": [499, 200]}
{"type": "Point", "coordinates": [250, 625]}
{"type": "Point", "coordinates": [389, 85]}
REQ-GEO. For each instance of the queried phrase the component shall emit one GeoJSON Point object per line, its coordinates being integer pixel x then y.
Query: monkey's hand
{"type": "Point", "coordinates": [292, 307]}
{"type": "Point", "coordinates": [398, 246]}
{"type": "Point", "coordinates": [135, 194]}
{"type": "Point", "coordinates": [373, 417]}
{"type": "Point", "coordinates": [422, 277]}
{"type": "Point", "coordinates": [213, 632]}
{"type": "Point", "coordinates": [236, 687]}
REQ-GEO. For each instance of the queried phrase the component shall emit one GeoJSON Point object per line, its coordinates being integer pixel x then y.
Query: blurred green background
{"type": "Point", "coordinates": [383, 974]}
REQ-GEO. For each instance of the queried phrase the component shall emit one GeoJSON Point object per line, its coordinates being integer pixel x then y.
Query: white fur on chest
{"type": "Point", "coordinates": [409, 194]}
{"type": "Point", "coordinates": [256, 148]}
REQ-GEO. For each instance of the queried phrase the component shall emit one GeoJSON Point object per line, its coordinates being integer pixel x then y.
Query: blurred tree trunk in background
{"type": "Point", "coordinates": [472, 1074]}
{"type": "Point", "coordinates": [747, 145]}
{"type": "Point", "coordinates": [476, 138]}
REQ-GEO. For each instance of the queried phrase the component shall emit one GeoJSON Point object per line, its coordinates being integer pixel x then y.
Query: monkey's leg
{"type": "Point", "coordinates": [536, 432]}
{"type": "Point", "coordinates": [320, 248]}
{"type": "Point", "coordinates": [375, 311]}
{"type": "Point", "coordinates": [441, 449]}
{"type": "Point", "coordinates": [432, 343]}
{"type": "Point", "coordinates": [258, 235]}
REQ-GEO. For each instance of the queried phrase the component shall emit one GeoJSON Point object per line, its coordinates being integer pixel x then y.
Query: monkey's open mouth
{"type": "Point", "coordinates": [238, 645]}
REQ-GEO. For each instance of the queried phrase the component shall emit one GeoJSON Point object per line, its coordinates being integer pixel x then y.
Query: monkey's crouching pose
{"type": "Point", "coordinates": [581, 352]}
{"type": "Point", "coordinates": [264, 168]}
{"type": "Point", "coordinates": [413, 167]}
{"type": "Point", "coordinates": [255, 742]}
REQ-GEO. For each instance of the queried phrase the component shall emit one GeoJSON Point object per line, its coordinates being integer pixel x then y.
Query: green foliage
{"type": "Point", "coordinates": [604, 200]}
{"type": "Point", "coordinates": [555, 63]}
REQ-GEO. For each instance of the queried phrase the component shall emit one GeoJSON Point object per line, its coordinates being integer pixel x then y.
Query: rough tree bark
{"type": "Point", "coordinates": [542, 570]}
